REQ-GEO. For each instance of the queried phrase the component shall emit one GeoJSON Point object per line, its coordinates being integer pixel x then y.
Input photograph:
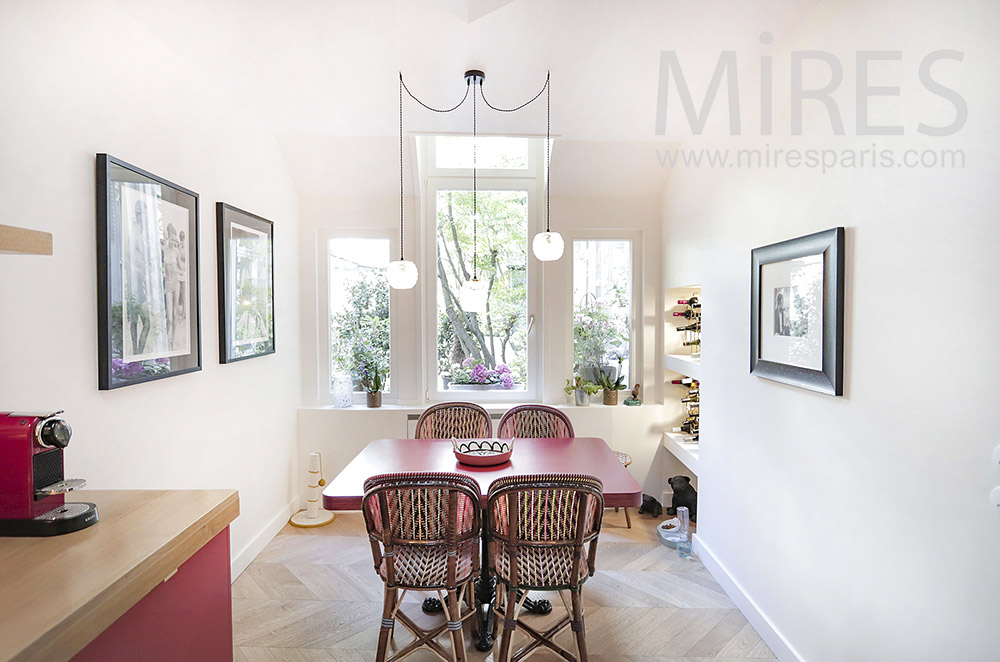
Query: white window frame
{"type": "Point", "coordinates": [635, 349]}
{"type": "Point", "coordinates": [453, 179]}
{"type": "Point", "coordinates": [323, 295]}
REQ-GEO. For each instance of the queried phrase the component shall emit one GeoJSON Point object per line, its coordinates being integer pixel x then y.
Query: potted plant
{"type": "Point", "coordinates": [611, 388]}
{"type": "Point", "coordinates": [595, 334]}
{"type": "Point", "coordinates": [582, 389]}
{"type": "Point", "coordinates": [474, 375]}
{"type": "Point", "coordinates": [372, 370]}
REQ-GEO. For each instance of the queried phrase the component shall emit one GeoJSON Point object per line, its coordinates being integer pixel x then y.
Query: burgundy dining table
{"type": "Point", "coordinates": [578, 455]}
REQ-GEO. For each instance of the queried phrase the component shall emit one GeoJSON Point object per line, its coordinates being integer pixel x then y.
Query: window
{"type": "Point", "coordinates": [478, 351]}
{"type": "Point", "coordinates": [490, 355]}
{"type": "Point", "coordinates": [493, 152]}
{"type": "Point", "coordinates": [358, 308]}
{"type": "Point", "coordinates": [603, 300]}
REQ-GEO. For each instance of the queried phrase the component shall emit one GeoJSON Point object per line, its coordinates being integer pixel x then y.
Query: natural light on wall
{"type": "Point", "coordinates": [359, 307]}
{"type": "Point", "coordinates": [602, 308]}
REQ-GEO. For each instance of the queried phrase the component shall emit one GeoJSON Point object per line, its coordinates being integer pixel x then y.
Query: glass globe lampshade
{"type": "Point", "coordinates": [547, 246]}
{"type": "Point", "coordinates": [402, 274]}
{"type": "Point", "coordinates": [473, 296]}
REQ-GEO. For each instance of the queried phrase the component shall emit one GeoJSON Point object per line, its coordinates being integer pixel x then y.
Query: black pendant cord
{"type": "Point", "coordinates": [436, 110]}
{"type": "Point", "coordinates": [511, 110]}
{"type": "Point", "coordinates": [475, 191]}
{"type": "Point", "coordinates": [548, 142]}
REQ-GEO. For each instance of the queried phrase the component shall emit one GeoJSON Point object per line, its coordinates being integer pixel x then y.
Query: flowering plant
{"type": "Point", "coordinates": [474, 371]}
{"type": "Point", "coordinates": [595, 333]}
{"type": "Point", "coordinates": [370, 365]}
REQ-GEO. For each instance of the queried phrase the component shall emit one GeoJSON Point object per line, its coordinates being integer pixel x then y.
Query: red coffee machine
{"type": "Point", "coordinates": [31, 478]}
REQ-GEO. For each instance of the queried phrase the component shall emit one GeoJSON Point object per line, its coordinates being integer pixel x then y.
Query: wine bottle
{"type": "Point", "coordinates": [684, 380]}
{"type": "Point", "coordinates": [693, 301]}
{"type": "Point", "coordinates": [687, 314]}
{"type": "Point", "coordinates": [690, 327]}
{"type": "Point", "coordinates": [690, 398]}
{"type": "Point", "coordinates": [692, 343]}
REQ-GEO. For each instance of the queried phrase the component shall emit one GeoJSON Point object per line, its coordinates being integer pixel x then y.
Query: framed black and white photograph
{"type": "Point", "coordinates": [246, 284]}
{"type": "Point", "coordinates": [147, 276]}
{"type": "Point", "coordinates": [797, 312]}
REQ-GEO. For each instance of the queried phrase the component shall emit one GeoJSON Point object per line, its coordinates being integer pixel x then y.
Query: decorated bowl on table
{"type": "Point", "coordinates": [482, 452]}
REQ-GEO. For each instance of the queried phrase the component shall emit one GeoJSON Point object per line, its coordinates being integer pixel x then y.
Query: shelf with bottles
{"type": "Point", "coordinates": [683, 333]}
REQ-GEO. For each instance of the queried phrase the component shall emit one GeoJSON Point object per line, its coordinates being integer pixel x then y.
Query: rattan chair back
{"type": "Point", "coordinates": [462, 420]}
{"type": "Point", "coordinates": [424, 528]}
{"type": "Point", "coordinates": [534, 421]}
{"type": "Point", "coordinates": [543, 530]}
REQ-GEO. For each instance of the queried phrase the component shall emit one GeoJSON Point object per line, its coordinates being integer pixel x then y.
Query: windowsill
{"type": "Point", "coordinates": [492, 407]}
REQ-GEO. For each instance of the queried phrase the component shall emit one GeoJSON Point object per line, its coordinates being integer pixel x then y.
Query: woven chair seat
{"type": "Point", "coordinates": [427, 566]}
{"type": "Point", "coordinates": [540, 568]}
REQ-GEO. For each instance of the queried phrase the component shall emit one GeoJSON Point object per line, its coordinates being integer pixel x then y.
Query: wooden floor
{"type": "Point", "coordinates": [313, 596]}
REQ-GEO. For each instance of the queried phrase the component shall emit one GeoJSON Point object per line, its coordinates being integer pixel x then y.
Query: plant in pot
{"type": "Point", "coordinates": [582, 389]}
{"type": "Point", "coordinates": [372, 370]}
{"type": "Point", "coordinates": [595, 333]}
{"type": "Point", "coordinates": [611, 388]}
{"type": "Point", "coordinates": [474, 375]}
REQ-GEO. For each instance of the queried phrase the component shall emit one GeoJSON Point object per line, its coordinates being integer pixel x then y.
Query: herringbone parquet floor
{"type": "Point", "coordinates": [313, 596]}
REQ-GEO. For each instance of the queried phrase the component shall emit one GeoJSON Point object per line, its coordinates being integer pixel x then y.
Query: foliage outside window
{"type": "Point", "coordinates": [602, 305]}
{"type": "Point", "coordinates": [482, 351]}
{"type": "Point", "coordinates": [359, 311]}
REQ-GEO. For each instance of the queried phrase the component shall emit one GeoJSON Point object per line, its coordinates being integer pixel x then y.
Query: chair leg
{"type": "Point", "coordinates": [616, 509]}
{"type": "Point", "coordinates": [628, 520]}
{"type": "Point", "coordinates": [576, 624]}
{"type": "Point", "coordinates": [388, 607]}
{"type": "Point", "coordinates": [509, 625]}
{"type": "Point", "coordinates": [455, 626]}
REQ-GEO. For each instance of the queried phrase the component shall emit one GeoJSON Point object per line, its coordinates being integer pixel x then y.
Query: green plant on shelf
{"type": "Point", "coordinates": [580, 384]}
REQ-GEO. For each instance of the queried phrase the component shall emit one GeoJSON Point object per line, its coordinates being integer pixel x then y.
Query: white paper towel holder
{"type": "Point", "coordinates": [313, 515]}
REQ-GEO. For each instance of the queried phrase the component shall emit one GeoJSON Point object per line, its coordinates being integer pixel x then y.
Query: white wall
{"type": "Point", "coordinates": [78, 80]}
{"type": "Point", "coordinates": [860, 525]}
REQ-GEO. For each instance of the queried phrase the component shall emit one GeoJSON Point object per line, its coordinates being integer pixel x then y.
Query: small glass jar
{"type": "Point", "coordinates": [343, 390]}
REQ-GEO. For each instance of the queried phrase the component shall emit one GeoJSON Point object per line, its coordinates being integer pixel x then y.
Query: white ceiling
{"type": "Point", "coordinates": [322, 69]}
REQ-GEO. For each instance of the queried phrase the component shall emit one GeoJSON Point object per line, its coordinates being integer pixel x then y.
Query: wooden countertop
{"type": "Point", "coordinates": [57, 594]}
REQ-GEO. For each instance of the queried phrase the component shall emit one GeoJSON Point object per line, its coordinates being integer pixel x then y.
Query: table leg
{"type": "Point", "coordinates": [486, 593]}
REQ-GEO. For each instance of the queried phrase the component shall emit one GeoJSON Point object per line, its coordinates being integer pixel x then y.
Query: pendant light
{"type": "Point", "coordinates": [474, 294]}
{"type": "Point", "coordinates": [547, 246]}
{"type": "Point", "coordinates": [402, 274]}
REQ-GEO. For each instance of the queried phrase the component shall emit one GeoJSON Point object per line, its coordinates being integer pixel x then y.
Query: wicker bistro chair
{"type": "Point", "coordinates": [424, 530]}
{"type": "Point", "coordinates": [538, 421]}
{"type": "Point", "coordinates": [462, 420]}
{"type": "Point", "coordinates": [543, 537]}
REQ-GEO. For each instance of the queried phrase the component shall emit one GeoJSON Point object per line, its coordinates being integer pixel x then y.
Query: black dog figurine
{"type": "Point", "coordinates": [684, 495]}
{"type": "Point", "coordinates": [651, 506]}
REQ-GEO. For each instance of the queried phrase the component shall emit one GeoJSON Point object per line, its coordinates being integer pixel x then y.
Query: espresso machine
{"type": "Point", "coordinates": [32, 485]}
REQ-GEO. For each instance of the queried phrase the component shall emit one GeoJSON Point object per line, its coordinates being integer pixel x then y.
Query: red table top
{"type": "Point", "coordinates": [579, 455]}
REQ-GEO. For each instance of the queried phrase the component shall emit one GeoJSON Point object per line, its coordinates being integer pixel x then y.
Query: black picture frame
{"type": "Point", "coordinates": [829, 376]}
{"type": "Point", "coordinates": [148, 290]}
{"type": "Point", "coordinates": [246, 317]}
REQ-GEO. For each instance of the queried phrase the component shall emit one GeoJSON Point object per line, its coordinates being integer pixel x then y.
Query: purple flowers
{"type": "Point", "coordinates": [129, 369]}
{"type": "Point", "coordinates": [474, 371]}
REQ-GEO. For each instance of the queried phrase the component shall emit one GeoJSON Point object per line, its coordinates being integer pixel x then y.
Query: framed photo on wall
{"type": "Point", "coordinates": [148, 293]}
{"type": "Point", "coordinates": [797, 312]}
{"type": "Point", "coordinates": [246, 284]}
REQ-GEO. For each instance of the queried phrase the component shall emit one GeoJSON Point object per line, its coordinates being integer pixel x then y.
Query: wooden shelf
{"type": "Point", "coordinates": [684, 364]}
{"type": "Point", "coordinates": [683, 449]}
{"type": "Point", "coordinates": [24, 242]}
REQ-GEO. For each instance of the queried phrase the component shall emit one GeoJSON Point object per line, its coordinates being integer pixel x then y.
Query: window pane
{"type": "Point", "coordinates": [602, 307]}
{"type": "Point", "coordinates": [359, 309]}
{"type": "Point", "coordinates": [479, 351]}
{"type": "Point", "coordinates": [499, 152]}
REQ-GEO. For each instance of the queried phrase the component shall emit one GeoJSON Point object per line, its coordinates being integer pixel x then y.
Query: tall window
{"type": "Point", "coordinates": [358, 295]}
{"type": "Point", "coordinates": [602, 308]}
{"type": "Point", "coordinates": [482, 351]}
